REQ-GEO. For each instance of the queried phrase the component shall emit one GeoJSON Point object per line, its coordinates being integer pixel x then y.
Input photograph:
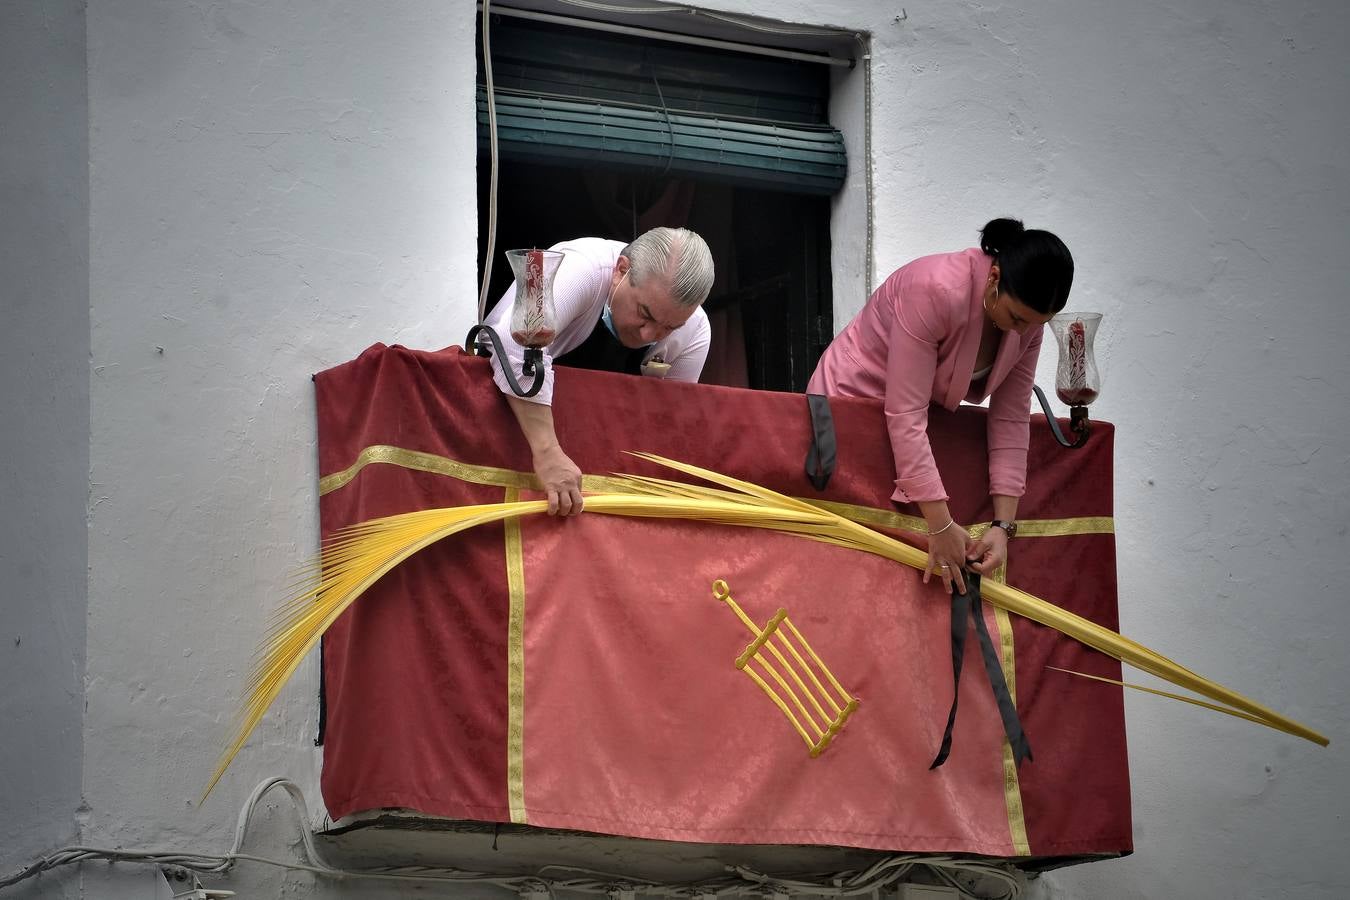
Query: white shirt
{"type": "Point", "coordinates": [580, 291]}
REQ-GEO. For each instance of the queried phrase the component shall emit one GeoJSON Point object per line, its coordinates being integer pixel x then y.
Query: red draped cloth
{"type": "Point", "coordinates": [579, 674]}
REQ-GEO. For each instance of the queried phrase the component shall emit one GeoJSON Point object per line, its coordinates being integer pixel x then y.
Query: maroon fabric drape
{"type": "Point", "coordinates": [630, 717]}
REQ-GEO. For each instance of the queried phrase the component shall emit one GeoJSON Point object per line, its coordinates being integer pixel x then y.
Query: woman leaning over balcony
{"type": "Point", "coordinates": [944, 328]}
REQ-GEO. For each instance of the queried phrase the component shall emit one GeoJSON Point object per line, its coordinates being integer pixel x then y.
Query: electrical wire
{"type": "Point", "coordinates": [738, 881]}
{"type": "Point", "coordinates": [869, 265]}
{"type": "Point", "coordinates": [491, 245]}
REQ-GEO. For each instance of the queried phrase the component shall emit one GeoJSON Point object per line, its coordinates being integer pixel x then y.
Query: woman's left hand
{"type": "Point", "coordinates": [990, 552]}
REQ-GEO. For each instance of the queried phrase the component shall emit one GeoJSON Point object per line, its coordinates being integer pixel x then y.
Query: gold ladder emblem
{"type": "Point", "coordinates": [780, 634]}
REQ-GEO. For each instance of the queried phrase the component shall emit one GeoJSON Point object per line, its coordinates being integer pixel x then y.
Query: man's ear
{"type": "Point", "coordinates": [621, 267]}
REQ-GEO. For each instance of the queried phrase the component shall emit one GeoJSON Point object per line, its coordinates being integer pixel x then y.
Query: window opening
{"type": "Point", "coordinates": [570, 168]}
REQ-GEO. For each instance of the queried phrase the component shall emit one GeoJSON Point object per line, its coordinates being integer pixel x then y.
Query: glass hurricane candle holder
{"type": "Point", "coordinates": [534, 322]}
{"type": "Point", "coordinates": [1077, 382]}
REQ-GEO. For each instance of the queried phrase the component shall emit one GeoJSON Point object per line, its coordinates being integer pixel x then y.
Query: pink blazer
{"type": "Point", "coordinates": [915, 343]}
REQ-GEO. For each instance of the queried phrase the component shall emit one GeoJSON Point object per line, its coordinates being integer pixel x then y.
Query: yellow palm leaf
{"type": "Point", "coordinates": [357, 556]}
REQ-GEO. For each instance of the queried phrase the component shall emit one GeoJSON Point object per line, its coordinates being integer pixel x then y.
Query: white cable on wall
{"type": "Point", "coordinates": [740, 881]}
{"type": "Point", "coordinates": [869, 265]}
{"type": "Point", "coordinates": [490, 247]}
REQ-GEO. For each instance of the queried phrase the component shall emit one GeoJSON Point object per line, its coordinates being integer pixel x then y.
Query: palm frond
{"type": "Point", "coordinates": [1034, 608]}
{"type": "Point", "coordinates": [1157, 693]}
{"type": "Point", "coordinates": [357, 556]}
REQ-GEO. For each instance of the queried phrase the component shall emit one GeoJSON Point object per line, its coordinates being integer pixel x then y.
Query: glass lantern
{"type": "Point", "coordinates": [1077, 382]}
{"type": "Point", "coordinates": [534, 322]}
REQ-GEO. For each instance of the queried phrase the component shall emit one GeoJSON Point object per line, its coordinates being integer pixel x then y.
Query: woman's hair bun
{"type": "Point", "coordinates": [998, 233]}
{"type": "Point", "coordinates": [1034, 265]}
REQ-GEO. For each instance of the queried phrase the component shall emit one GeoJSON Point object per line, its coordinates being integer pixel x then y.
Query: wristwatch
{"type": "Point", "coordinates": [1010, 528]}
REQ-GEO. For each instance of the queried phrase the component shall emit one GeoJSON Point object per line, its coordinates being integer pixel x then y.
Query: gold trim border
{"type": "Point", "coordinates": [870, 515]}
{"type": "Point", "coordinates": [416, 460]}
{"type": "Point", "coordinates": [425, 462]}
{"type": "Point", "coordinates": [497, 477]}
{"type": "Point", "coordinates": [515, 667]}
{"type": "Point", "coordinates": [1012, 785]}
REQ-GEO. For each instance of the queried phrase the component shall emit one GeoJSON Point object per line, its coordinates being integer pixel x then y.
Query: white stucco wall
{"type": "Point", "coordinates": [1189, 154]}
{"type": "Point", "coordinates": [275, 186]}
{"type": "Point", "coordinates": [44, 408]}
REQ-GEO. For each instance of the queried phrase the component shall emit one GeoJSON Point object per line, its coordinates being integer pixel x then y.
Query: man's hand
{"type": "Point", "coordinates": [559, 476]}
{"type": "Point", "coordinates": [561, 480]}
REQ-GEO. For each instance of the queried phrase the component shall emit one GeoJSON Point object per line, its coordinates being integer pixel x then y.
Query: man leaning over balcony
{"type": "Point", "coordinates": [634, 308]}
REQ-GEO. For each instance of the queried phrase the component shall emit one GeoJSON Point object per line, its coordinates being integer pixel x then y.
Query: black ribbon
{"type": "Point", "coordinates": [963, 605]}
{"type": "Point", "coordinates": [323, 700]}
{"type": "Point", "coordinates": [820, 458]}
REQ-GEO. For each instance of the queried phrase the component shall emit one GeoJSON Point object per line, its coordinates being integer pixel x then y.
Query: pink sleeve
{"type": "Point", "coordinates": [911, 362]}
{"type": "Point", "coordinates": [1009, 428]}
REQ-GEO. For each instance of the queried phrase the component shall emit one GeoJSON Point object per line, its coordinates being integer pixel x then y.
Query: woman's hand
{"type": "Point", "coordinates": [990, 552]}
{"type": "Point", "coordinates": [948, 550]}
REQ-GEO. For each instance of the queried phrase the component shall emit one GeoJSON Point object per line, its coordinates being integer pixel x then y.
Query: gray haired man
{"type": "Point", "coordinates": [632, 308]}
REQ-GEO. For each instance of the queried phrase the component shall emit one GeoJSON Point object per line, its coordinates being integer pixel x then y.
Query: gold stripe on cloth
{"type": "Point", "coordinates": [1065, 527]}
{"type": "Point", "coordinates": [515, 667]}
{"type": "Point", "coordinates": [1012, 787]}
{"type": "Point", "coordinates": [441, 465]}
{"type": "Point", "coordinates": [865, 515]}
{"type": "Point", "coordinates": [426, 462]}
{"type": "Point", "coordinates": [870, 515]}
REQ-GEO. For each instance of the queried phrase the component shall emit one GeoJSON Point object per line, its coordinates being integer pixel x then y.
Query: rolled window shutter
{"type": "Point", "coordinates": [569, 97]}
{"type": "Point", "coordinates": [789, 157]}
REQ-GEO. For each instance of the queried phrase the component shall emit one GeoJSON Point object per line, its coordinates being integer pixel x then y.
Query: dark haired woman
{"type": "Point", "coordinates": [947, 328]}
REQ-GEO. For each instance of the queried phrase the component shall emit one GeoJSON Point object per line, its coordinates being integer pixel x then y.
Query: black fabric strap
{"type": "Point", "coordinates": [323, 700]}
{"type": "Point", "coordinates": [960, 613]}
{"type": "Point", "coordinates": [963, 606]}
{"type": "Point", "coordinates": [1007, 710]}
{"type": "Point", "coordinates": [820, 458]}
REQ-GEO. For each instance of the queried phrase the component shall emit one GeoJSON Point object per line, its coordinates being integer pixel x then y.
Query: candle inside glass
{"type": "Point", "coordinates": [533, 320]}
{"type": "Point", "coordinates": [1076, 380]}
{"type": "Point", "coordinates": [1076, 392]}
